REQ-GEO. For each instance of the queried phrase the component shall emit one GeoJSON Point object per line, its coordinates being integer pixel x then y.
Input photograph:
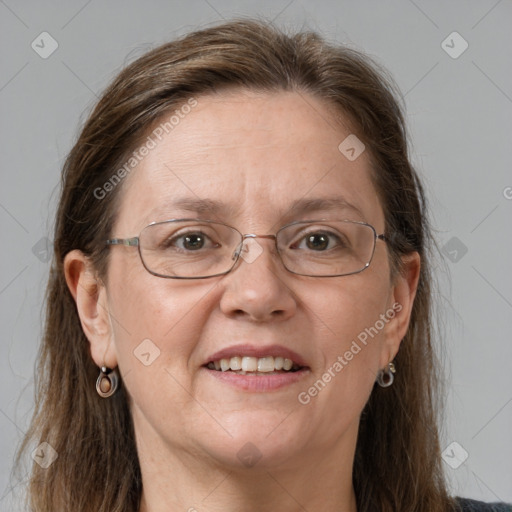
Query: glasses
{"type": "Point", "coordinates": [198, 249]}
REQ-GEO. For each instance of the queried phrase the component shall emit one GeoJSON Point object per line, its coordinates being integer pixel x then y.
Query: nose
{"type": "Point", "coordinates": [258, 286]}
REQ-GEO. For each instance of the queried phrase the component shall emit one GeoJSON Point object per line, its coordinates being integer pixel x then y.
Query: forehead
{"type": "Point", "coordinates": [251, 158]}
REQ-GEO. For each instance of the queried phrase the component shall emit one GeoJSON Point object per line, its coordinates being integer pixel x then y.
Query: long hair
{"type": "Point", "coordinates": [397, 464]}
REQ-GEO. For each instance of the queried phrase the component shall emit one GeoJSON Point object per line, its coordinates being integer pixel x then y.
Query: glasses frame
{"type": "Point", "coordinates": [135, 241]}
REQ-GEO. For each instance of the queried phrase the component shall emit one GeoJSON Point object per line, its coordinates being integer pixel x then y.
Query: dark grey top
{"type": "Point", "coordinates": [468, 505]}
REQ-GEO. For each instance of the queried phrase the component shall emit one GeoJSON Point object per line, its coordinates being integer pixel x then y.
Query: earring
{"type": "Point", "coordinates": [107, 382]}
{"type": "Point", "coordinates": [385, 377]}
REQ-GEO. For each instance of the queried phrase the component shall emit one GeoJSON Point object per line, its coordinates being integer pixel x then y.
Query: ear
{"type": "Point", "coordinates": [91, 301]}
{"type": "Point", "coordinates": [403, 293]}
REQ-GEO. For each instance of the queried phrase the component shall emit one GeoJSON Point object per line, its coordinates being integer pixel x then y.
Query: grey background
{"type": "Point", "coordinates": [459, 114]}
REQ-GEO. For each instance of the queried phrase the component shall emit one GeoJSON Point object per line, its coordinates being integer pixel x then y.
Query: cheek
{"type": "Point", "coordinates": [351, 306]}
{"type": "Point", "coordinates": [162, 322]}
{"type": "Point", "coordinates": [350, 340]}
{"type": "Point", "coordinates": [156, 322]}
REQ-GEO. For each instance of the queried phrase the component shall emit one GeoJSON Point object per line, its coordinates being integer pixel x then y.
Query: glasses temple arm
{"type": "Point", "coordinates": [123, 241]}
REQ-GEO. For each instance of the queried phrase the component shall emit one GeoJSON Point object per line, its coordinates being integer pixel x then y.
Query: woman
{"type": "Point", "coordinates": [239, 309]}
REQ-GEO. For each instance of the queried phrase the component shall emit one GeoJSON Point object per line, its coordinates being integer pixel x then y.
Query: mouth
{"type": "Point", "coordinates": [255, 366]}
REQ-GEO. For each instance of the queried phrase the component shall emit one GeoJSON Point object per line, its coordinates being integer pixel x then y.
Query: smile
{"type": "Point", "coordinates": [255, 366]}
{"type": "Point", "coordinates": [256, 374]}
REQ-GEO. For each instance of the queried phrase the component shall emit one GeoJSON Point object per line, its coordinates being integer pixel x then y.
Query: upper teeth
{"type": "Point", "coordinates": [253, 364]}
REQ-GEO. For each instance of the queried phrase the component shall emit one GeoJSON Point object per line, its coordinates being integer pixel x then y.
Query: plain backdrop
{"type": "Point", "coordinates": [458, 93]}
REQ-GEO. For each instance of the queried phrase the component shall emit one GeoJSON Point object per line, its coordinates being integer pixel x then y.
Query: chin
{"type": "Point", "coordinates": [259, 441]}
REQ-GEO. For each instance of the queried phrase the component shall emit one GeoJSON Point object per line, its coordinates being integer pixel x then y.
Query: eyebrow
{"type": "Point", "coordinates": [298, 207]}
{"type": "Point", "coordinates": [301, 206]}
{"type": "Point", "coordinates": [196, 205]}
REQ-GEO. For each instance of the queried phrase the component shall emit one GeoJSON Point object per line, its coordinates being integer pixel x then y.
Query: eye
{"type": "Point", "coordinates": [320, 241]}
{"type": "Point", "coordinates": [189, 241]}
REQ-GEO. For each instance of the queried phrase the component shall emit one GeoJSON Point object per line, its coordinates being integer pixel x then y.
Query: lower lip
{"type": "Point", "coordinates": [259, 382]}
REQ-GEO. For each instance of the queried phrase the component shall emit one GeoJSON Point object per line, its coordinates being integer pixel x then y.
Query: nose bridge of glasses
{"type": "Point", "coordinates": [240, 247]}
{"type": "Point", "coordinates": [250, 235]}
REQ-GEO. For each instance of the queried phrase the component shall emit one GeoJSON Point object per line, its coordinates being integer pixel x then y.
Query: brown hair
{"type": "Point", "coordinates": [397, 465]}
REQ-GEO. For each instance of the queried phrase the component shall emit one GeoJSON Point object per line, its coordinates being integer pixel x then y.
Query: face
{"type": "Point", "coordinates": [257, 154]}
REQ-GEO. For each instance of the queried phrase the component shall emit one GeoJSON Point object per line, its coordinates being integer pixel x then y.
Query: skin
{"type": "Point", "coordinates": [258, 152]}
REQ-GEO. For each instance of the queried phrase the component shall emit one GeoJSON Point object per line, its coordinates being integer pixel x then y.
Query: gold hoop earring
{"type": "Point", "coordinates": [107, 382]}
{"type": "Point", "coordinates": [386, 377]}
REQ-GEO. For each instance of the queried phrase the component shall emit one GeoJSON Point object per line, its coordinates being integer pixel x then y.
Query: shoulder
{"type": "Point", "coordinates": [468, 505]}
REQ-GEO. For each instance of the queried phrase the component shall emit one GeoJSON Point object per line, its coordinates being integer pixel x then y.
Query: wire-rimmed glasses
{"type": "Point", "coordinates": [198, 249]}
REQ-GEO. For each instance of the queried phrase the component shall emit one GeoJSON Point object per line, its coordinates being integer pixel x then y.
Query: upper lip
{"type": "Point", "coordinates": [256, 351]}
